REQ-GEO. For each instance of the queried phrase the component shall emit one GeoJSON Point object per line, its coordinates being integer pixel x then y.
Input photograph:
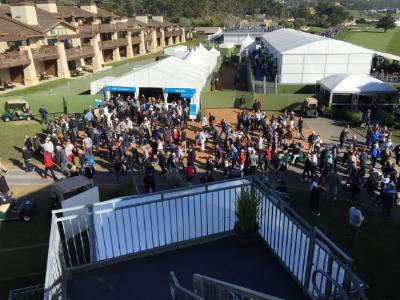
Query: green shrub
{"type": "Point", "coordinates": [346, 114]}
{"type": "Point", "coordinates": [247, 209]}
{"type": "Point", "coordinates": [327, 111]}
{"type": "Point", "coordinates": [385, 117]}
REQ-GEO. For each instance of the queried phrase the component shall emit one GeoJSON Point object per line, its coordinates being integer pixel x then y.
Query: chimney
{"type": "Point", "coordinates": [24, 11]}
{"type": "Point", "coordinates": [88, 5]}
{"type": "Point", "coordinates": [143, 19]}
{"type": "Point", "coordinates": [47, 5]}
{"type": "Point", "coordinates": [158, 18]}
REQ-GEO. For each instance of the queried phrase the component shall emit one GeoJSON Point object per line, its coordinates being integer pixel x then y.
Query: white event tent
{"type": "Point", "coordinates": [247, 44]}
{"type": "Point", "coordinates": [302, 57]}
{"type": "Point", "coordinates": [353, 85]}
{"type": "Point", "coordinates": [185, 76]}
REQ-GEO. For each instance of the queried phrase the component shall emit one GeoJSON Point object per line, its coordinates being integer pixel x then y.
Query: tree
{"type": "Point", "coordinates": [386, 22]}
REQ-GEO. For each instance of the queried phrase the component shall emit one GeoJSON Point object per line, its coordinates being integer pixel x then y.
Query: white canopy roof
{"type": "Point", "coordinates": [388, 55]}
{"type": "Point", "coordinates": [247, 43]}
{"type": "Point", "coordinates": [355, 84]}
{"type": "Point", "coordinates": [172, 72]}
{"type": "Point", "coordinates": [290, 41]}
{"type": "Point", "coordinates": [169, 72]}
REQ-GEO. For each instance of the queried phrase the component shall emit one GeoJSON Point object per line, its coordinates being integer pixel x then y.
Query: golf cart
{"type": "Point", "coordinates": [16, 109]}
{"type": "Point", "coordinates": [13, 210]}
{"type": "Point", "coordinates": [310, 108]}
{"type": "Point", "coordinates": [10, 208]}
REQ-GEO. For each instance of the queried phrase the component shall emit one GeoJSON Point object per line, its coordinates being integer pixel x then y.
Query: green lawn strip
{"type": "Point", "coordinates": [373, 38]}
{"type": "Point", "coordinates": [229, 99]}
{"type": "Point", "coordinates": [376, 250]}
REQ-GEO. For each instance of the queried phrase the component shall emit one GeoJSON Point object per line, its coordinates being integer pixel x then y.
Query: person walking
{"type": "Point", "coordinates": [27, 156]}
{"type": "Point", "coordinates": [43, 114]}
{"type": "Point", "coordinates": [300, 127]}
{"type": "Point", "coordinates": [315, 195]}
{"type": "Point", "coordinates": [48, 165]}
{"type": "Point", "coordinates": [356, 218]}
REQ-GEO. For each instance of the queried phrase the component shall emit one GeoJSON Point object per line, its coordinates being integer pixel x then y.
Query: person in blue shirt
{"type": "Point", "coordinates": [375, 153]}
{"type": "Point", "coordinates": [388, 197]}
{"type": "Point", "coordinates": [43, 114]}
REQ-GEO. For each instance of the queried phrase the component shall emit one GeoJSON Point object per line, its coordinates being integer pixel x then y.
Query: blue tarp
{"type": "Point", "coordinates": [128, 89]}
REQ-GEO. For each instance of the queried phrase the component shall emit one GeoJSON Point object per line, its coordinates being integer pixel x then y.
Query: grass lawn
{"type": "Point", "coordinates": [315, 29]}
{"type": "Point", "coordinates": [374, 39]}
{"type": "Point", "coordinates": [376, 250]}
{"type": "Point", "coordinates": [24, 246]}
{"type": "Point", "coordinates": [12, 137]}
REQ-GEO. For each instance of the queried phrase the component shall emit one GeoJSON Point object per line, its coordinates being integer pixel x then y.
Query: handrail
{"type": "Point", "coordinates": [202, 285]}
{"type": "Point", "coordinates": [27, 292]}
{"type": "Point", "coordinates": [178, 292]}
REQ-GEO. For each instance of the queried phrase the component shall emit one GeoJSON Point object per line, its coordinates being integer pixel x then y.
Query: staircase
{"type": "Point", "coordinates": [207, 288]}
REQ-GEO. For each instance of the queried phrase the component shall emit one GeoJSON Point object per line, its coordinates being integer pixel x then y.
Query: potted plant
{"type": "Point", "coordinates": [247, 209]}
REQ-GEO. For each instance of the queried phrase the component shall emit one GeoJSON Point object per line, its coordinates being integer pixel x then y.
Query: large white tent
{"type": "Point", "coordinates": [352, 84]}
{"type": "Point", "coordinates": [185, 76]}
{"type": "Point", "coordinates": [305, 58]}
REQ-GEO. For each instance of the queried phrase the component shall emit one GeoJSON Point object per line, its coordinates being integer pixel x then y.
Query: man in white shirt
{"type": "Point", "coordinates": [48, 146]}
{"type": "Point", "coordinates": [355, 220]}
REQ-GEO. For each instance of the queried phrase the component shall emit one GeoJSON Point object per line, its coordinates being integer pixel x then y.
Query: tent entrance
{"type": "Point", "coordinates": [151, 92]}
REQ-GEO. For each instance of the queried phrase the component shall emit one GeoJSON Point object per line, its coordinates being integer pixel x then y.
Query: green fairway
{"type": "Point", "coordinates": [376, 39]}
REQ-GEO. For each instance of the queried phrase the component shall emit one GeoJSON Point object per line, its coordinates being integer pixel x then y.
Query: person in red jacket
{"type": "Point", "coordinates": [242, 159]}
{"type": "Point", "coordinates": [48, 165]}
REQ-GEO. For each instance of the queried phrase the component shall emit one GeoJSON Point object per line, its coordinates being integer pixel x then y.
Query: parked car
{"type": "Point", "coordinates": [310, 108]}
{"type": "Point", "coordinates": [16, 109]}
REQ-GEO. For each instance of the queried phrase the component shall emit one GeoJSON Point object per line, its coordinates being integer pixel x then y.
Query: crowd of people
{"type": "Point", "coordinates": [146, 135]}
{"type": "Point", "coordinates": [382, 66]}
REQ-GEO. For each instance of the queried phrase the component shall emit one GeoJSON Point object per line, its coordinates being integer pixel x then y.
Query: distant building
{"type": "Point", "coordinates": [56, 40]}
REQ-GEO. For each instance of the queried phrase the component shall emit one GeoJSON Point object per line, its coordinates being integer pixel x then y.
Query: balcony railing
{"type": "Point", "coordinates": [113, 230]}
{"type": "Point", "coordinates": [122, 42]}
{"type": "Point", "coordinates": [14, 59]}
{"type": "Point", "coordinates": [45, 53]}
{"type": "Point", "coordinates": [78, 52]}
{"type": "Point", "coordinates": [168, 33]}
{"type": "Point", "coordinates": [136, 40]}
{"type": "Point", "coordinates": [176, 32]}
{"type": "Point", "coordinates": [113, 44]}
{"type": "Point", "coordinates": [102, 28]}
{"type": "Point", "coordinates": [159, 35]}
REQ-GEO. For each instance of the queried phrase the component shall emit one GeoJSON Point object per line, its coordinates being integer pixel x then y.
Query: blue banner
{"type": "Point", "coordinates": [192, 111]}
{"type": "Point", "coordinates": [180, 90]}
{"type": "Point", "coordinates": [187, 96]}
{"type": "Point", "coordinates": [127, 89]}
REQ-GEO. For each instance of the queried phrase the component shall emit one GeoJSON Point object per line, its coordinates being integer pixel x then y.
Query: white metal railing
{"type": "Point", "coordinates": [107, 231]}
{"type": "Point", "coordinates": [387, 78]}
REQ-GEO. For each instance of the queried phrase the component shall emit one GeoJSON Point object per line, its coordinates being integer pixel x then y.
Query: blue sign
{"type": "Point", "coordinates": [187, 96]}
{"type": "Point", "coordinates": [180, 90]}
{"type": "Point", "coordinates": [192, 111]}
{"type": "Point", "coordinates": [127, 89]}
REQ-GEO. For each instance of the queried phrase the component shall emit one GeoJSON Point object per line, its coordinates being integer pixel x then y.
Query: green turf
{"type": "Point", "coordinates": [375, 251]}
{"type": "Point", "coordinates": [376, 39]}
{"type": "Point", "coordinates": [229, 99]}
